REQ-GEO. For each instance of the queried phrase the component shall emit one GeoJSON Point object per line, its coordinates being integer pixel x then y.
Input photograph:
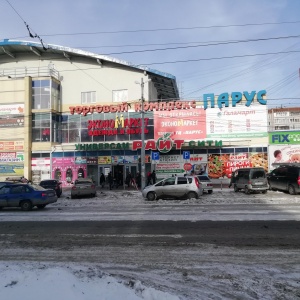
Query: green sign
{"type": "Point", "coordinates": [101, 146]}
{"type": "Point", "coordinates": [285, 137]}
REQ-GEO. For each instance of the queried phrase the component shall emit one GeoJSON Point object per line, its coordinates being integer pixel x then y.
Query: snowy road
{"type": "Point", "coordinates": [171, 246]}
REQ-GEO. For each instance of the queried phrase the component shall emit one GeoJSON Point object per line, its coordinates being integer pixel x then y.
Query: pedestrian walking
{"type": "Point", "coordinates": [102, 180]}
{"type": "Point", "coordinates": [110, 180]}
{"type": "Point", "coordinates": [149, 178]}
{"type": "Point", "coordinates": [138, 179]}
{"type": "Point", "coordinates": [128, 179]}
{"type": "Point", "coordinates": [153, 177]}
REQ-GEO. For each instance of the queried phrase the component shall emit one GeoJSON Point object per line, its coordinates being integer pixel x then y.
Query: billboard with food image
{"type": "Point", "coordinates": [223, 165]}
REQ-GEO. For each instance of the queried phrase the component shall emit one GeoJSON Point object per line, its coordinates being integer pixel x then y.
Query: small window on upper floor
{"type": "Point", "coordinates": [88, 97]}
{"type": "Point", "coordinates": [120, 96]}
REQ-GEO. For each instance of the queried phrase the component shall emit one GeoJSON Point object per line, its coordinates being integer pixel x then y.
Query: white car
{"type": "Point", "coordinates": [177, 187]}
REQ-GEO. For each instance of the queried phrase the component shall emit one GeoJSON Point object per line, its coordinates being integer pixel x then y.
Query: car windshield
{"type": "Point", "coordinates": [203, 177]}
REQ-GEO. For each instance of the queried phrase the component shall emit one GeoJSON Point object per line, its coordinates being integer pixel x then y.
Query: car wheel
{"type": "Point", "coordinates": [265, 191]}
{"type": "Point", "coordinates": [1, 207]}
{"type": "Point", "coordinates": [247, 191]}
{"type": "Point", "coordinates": [41, 206]}
{"type": "Point", "coordinates": [210, 191]}
{"type": "Point", "coordinates": [291, 190]}
{"type": "Point", "coordinates": [192, 195]}
{"type": "Point", "coordinates": [26, 205]}
{"type": "Point", "coordinates": [73, 197]}
{"type": "Point", "coordinates": [151, 196]}
{"type": "Point", "coordinates": [235, 188]}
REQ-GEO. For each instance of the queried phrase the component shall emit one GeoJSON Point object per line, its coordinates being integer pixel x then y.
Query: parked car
{"type": "Point", "coordinates": [251, 180]}
{"type": "Point", "coordinates": [52, 184]}
{"type": "Point", "coordinates": [174, 187]}
{"type": "Point", "coordinates": [2, 183]}
{"type": "Point", "coordinates": [83, 187]}
{"type": "Point", "coordinates": [26, 196]}
{"type": "Point", "coordinates": [285, 178]}
{"type": "Point", "coordinates": [206, 183]}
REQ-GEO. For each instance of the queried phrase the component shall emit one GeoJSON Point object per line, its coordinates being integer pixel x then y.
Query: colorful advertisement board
{"type": "Point", "coordinates": [237, 122]}
{"type": "Point", "coordinates": [182, 124]}
{"type": "Point", "coordinates": [222, 165]}
{"type": "Point", "coordinates": [283, 154]}
{"type": "Point", "coordinates": [11, 115]}
{"type": "Point", "coordinates": [11, 170]}
{"type": "Point", "coordinates": [104, 160]}
{"type": "Point", "coordinates": [169, 165]}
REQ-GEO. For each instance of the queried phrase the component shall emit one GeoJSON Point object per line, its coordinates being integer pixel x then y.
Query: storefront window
{"type": "Point", "coordinates": [69, 176]}
{"type": "Point", "coordinates": [41, 127]}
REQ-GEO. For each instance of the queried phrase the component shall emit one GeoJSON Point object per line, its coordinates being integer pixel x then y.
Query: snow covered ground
{"type": "Point", "coordinates": [36, 281]}
{"type": "Point", "coordinates": [207, 270]}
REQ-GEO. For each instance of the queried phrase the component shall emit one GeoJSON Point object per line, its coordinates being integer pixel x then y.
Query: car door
{"type": "Point", "coordinates": [182, 186]}
{"type": "Point", "coordinates": [169, 188]}
{"type": "Point", "coordinates": [4, 190]}
{"type": "Point", "coordinates": [15, 195]}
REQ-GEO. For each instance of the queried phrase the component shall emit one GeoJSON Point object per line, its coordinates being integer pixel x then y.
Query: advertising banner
{"type": "Point", "coordinates": [222, 165]}
{"type": "Point", "coordinates": [11, 170]}
{"type": "Point", "coordinates": [284, 137]}
{"type": "Point", "coordinates": [237, 122]}
{"type": "Point", "coordinates": [11, 157]}
{"type": "Point", "coordinates": [12, 115]}
{"type": "Point", "coordinates": [182, 124]}
{"type": "Point", "coordinates": [127, 159]}
{"type": "Point", "coordinates": [104, 160]}
{"type": "Point", "coordinates": [11, 145]}
{"type": "Point", "coordinates": [80, 160]}
{"type": "Point", "coordinates": [283, 154]}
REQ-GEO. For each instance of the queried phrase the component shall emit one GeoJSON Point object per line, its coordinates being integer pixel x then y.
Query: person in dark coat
{"type": "Point", "coordinates": [149, 177]}
{"type": "Point", "coordinates": [110, 180]}
{"type": "Point", "coordinates": [102, 180]}
{"type": "Point", "coordinates": [128, 179]}
{"type": "Point", "coordinates": [153, 177]}
{"type": "Point", "coordinates": [138, 178]}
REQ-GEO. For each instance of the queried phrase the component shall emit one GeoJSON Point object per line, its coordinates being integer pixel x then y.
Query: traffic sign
{"type": "Point", "coordinates": [155, 155]}
{"type": "Point", "coordinates": [187, 166]}
{"type": "Point", "coordinates": [186, 154]}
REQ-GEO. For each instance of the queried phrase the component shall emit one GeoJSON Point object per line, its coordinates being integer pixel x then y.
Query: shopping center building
{"type": "Point", "coordinates": [67, 113]}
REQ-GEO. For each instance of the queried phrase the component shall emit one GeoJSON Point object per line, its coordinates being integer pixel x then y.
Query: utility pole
{"type": "Point", "coordinates": [143, 169]}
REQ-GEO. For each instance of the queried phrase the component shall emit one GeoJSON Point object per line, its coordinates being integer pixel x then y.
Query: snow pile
{"type": "Point", "coordinates": [40, 281]}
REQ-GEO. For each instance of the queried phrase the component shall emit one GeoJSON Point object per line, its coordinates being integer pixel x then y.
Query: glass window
{"type": "Point", "coordinates": [88, 97]}
{"type": "Point", "coordinates": [169, 181]}
{"type": "Point", "coordinates": [181, 180]}
{"type": "Point", "coordinates": [120, 96]}
{"type": "Point", "coordinates": [240, 150]}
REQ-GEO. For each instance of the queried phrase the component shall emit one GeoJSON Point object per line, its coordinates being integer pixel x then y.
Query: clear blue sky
{"type": "Point", "coordinates": [99, 26]}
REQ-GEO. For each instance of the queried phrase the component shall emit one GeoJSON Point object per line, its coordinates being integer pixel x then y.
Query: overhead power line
{"type": "Point", "coordinates": [206, 45]}
{"type": "Point", "coordinates": [218, 58]}
{"type": "Point", "coordinates": [172, 29]}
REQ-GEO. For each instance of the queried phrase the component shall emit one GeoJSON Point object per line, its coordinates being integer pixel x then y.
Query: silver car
{"type": "Point", "coordinates": [206, 183]}
{"type": "Point", "coordinates": [83, 187]}
{"type": "Point", "coordinates": [187, 187]}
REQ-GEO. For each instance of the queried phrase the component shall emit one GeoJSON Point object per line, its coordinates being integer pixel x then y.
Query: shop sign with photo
{"type": "Point", "coordinates": [80, 160]}
{"type": "Point", "coordinates": [104, 160]}
{"type": "Point", "coordinates": [283, 154]}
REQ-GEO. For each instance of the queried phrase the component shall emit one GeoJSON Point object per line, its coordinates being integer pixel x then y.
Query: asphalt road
{"type": "Point", "coordinates": [76, 234]}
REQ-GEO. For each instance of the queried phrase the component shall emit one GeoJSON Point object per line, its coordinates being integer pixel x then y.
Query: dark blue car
{"type": "Point", "coordinates": [25, 196]}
